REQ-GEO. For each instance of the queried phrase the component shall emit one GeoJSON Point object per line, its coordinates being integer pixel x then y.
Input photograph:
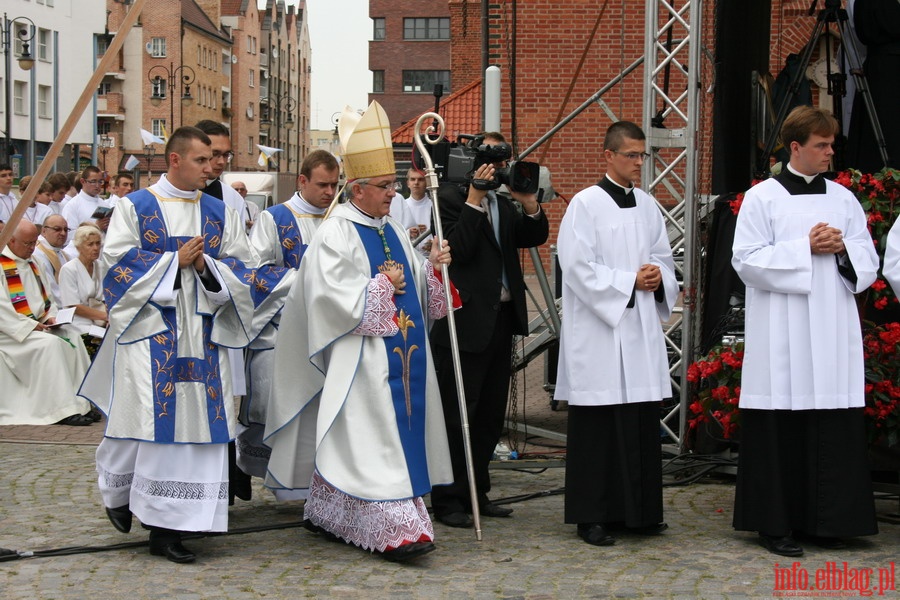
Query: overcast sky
{"type": "Point", "coordinates": [339, 31]}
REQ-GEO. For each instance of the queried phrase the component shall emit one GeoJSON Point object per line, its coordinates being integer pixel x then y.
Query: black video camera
{"type": "Point", "coordinates": [457, 163]}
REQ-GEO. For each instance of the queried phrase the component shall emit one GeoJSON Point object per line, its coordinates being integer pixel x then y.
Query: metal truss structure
{"type": "Point", "coordinates": [672, 54]}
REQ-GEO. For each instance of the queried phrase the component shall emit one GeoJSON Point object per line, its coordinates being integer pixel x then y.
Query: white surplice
{"type": "Point", "coordinates": [77, 286]}
{"type": "Point", "coordinates": [803, 339]}
{"type": "Point", "coordinates": [611, 354]}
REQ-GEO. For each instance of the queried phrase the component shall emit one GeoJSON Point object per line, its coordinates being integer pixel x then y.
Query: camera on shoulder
{"type": "Point", "coordinates": [456, 162]}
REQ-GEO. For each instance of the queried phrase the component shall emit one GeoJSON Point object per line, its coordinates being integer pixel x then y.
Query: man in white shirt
{"type": "Point", "coordinates": [419, 205]}
{"type": "Point", "coordinates": [123, 185]}
{"type": "Point", "coordinates": [8, 200]}
{"type": "Point", "coordinates": [87, 205]}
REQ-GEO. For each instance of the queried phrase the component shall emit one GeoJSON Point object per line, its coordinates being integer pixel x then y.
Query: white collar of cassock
{"type": "Point", "coordinates": [369, 220]}
{"type": "Point", "coordinates": [298, 204]}
{"type": "Point", "coordinates": [43, 241]}
{"type": "Point", "coordinates": [9, 254]}
{"type": "Point", "coordinates": [87, 196]}
{"type": "Point", "coordinates": [626, 189]}
{"type": "Point", "coordinates": [806, 178]}
{"type": "Point", "coordinates": [165, 189]}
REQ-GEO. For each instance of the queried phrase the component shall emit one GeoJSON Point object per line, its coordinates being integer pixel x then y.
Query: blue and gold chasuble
{"type": "Point", "coordinates": [406, 353]}
{"type": "Point", "coordinates": [167, 367]}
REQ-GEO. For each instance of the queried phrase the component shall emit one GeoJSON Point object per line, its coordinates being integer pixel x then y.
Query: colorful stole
{"type": "Point", "coordinates": [406, 353]}
{"type": "Point", "coordinates": [17, 289]}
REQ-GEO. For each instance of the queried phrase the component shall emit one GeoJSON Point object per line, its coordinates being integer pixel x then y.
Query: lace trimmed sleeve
{"type": "Point", "coordinates": [378, 316]}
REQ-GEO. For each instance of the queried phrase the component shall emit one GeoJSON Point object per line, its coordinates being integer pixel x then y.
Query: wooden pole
{"type": "Point", "coordinates": [67, 128]}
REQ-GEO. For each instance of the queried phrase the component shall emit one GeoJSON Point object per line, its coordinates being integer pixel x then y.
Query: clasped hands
{"type": "Point", "coordinates": [191, 253]}
{"type": "Point", "coordinates": [826, 240]}
{"type": "Point", "coordinates": [437, 257]}
{"type": "Point", "coordinates": [648, 278]}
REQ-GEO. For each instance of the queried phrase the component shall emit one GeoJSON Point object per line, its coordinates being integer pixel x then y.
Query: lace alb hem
{"type": "Point", "coordinates": [374, 526]}
{"type": "Point", "coordinates": [378, 316]}
{"type": "Point", "coordinates": [181, 491]}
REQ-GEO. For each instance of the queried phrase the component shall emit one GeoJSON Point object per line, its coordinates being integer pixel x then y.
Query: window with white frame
{"type": "Point", "coordinates": [104, 127]}
{"type": "Point", "coordinates": [250, 144]}
{"type": "Point", "coordinates": [44, 101]}
{"type": "Point", "coordinates": [158, 47]}
{"type": "Point", "coordinates": [158, 127]}
{"type": "Point", "coordinates": [43, 44]}
{"type": "Point", "coordinates": [20, 97]}
{"type": "Point", "coordinates": [251, 77]}
{"type": "Point", "coordinates": [104, 88]}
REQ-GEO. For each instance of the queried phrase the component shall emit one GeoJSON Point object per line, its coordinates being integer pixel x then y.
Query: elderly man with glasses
{"type": "Point", "coordinates": [50, 255]}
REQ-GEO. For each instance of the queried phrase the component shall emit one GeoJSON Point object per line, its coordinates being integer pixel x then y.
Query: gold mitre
{"type": "Point", "coordinates": [366, 148]}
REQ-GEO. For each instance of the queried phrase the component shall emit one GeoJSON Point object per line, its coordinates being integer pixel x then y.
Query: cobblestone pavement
{"type": "Point", "coordinates": [49, 500]}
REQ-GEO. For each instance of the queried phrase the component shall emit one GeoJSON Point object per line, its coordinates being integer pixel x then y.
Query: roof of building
{"type": "Point", "coordinates": [193, 15]}
{"type": "Point", "coordinates": [461, 112]}
{"type": "Point", "coordinates": [234, 7]}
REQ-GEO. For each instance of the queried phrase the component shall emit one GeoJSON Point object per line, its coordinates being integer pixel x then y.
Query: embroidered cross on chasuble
{"type": "Point", "coordinates": [406, 350]}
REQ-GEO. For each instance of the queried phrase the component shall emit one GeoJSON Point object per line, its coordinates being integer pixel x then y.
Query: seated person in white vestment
{"type": "Point", "coordinates": [50, 253]}
{"type": "Point", "coordinates": [81, 286]}
{"type": "Point", "coordinates": [178, 291]}
{"type": "Point", "coordinates": [355, 422]}
{"type": "Point", "coordinates": [802, 247]}
{"type": "Point", "coordinates": [28, 344]}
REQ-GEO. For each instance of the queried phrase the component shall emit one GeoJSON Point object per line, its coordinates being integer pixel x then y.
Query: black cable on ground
{"type": "Point", "coordinates": [9, 555]}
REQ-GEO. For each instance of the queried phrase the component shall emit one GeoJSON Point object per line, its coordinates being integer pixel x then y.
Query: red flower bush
{"type": "Point", "coordinates": [881, 348]}
{"type": "Point", "coordinates": [716, 384]}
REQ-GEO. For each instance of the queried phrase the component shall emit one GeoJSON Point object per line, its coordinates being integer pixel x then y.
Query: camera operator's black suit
{"type": "Point", "coordinates": [485, 327]}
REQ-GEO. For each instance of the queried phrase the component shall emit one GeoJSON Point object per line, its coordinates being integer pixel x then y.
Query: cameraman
{"type": "Point", "coordinates": [485, 232]}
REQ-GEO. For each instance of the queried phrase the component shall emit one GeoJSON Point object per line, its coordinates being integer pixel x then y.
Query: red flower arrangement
{"type": "Point", "coordinates": [881, 348]}
{"type": "Point", "coordinates": [716, 384]}
{"type": "Point", "coordinates": [877, 194]}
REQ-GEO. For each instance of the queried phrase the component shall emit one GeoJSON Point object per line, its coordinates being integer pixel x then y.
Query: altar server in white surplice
{"type": "Point", "coordinates": [280, 236]}
{"type": "Point", "coordinates": [618, 283]}
{"type": "Point", "coordinates": [180, 292]}
{"type": "Point", "coordinates": [802, 248]}
{"type": "Point", "coordinates": [355, 422]}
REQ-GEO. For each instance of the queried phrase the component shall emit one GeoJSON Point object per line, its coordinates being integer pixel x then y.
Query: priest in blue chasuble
{"type": "Point", "coordinates": [181, 288]}
{"type": "Point", "coordinates": [355, 422]}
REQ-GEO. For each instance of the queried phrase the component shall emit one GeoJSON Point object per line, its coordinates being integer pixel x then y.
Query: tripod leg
{"type": "Point", "coordinates": [862, 85]}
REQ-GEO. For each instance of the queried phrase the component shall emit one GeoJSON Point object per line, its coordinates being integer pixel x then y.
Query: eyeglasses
{"type": "Point", "coordinates": [226, 155]}
{"type": "Point", "coordinates": [633, 155]}
{"type": "Point", "coordinates": [93, 181]}
{"type": "Point", "coordinates": [391, 185]}
{"type": "Point", "coordinates": [58, 229]}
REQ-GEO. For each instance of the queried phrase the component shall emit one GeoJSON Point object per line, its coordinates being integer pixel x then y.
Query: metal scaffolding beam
{"type": "Point", "coordinates": [673, 43]}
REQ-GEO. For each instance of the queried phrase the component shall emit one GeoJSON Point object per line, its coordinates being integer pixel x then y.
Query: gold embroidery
{"type": "Point", "coordinates": [151, 236]}
{"type": "Point", "coordinates": [404, 323]}
{"type": "Point", "coordinates": [123, 274]}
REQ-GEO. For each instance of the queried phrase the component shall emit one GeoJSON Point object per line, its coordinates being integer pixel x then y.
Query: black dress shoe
{"type": "Point", "coordinates": [94, 415]}
{"type": "Point", "coordinates": [455, 519]}
{"type": "Point", "coordinates": [173, 551]}
{"type": "Point", "coordinates": [76, 421]}
{"type": "Point", "coordinates": [595, 534]}
{"type": "Point", "coordinates": [120, 518]}
{"type": "Point", "coordinates": [320, 531]}
{"type": "Point", "coordinates": [494, 510]}
{"type": "Point", "coordinates": [654, 529]}
{"type": "Point", "coordinates": [242, 484]}
{"type": "Point", "coordinates": [782, 545]}
{"type": "Point", "coordinates": [408, 551]}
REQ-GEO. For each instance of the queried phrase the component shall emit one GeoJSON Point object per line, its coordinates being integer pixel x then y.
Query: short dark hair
{"type": "Point", "coordinates": [181, 138]}
{"type": "Point", "coordinates": [804, 121]}
{"type": "Point", "coordinates": [619, 131]}
{"type": "Point", "coordinates": [5, 167]}
{"type": "Point", "coordinates": [210, 127]}
{"type": "Point", "coordinates": [121, 176]}
{"type": "Point", "coordinates": [494, 135]}
{"type": "Point", "coordinates": [59, 181]}
{"type": "Point", "coordinates": [318, 158]}
{"type": "Point", "coordinates": [88, 171]}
